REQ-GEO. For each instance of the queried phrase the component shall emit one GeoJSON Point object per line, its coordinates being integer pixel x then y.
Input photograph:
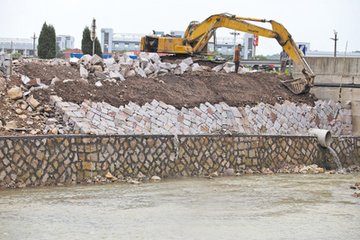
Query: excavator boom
{"type": "Point", "coordinates": [197, 36]}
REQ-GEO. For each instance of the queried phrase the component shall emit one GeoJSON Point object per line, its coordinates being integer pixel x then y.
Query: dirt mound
{"type": "Point", "coordinates": [186, 90]}
{"type": "Point", "coordinates": [47, 72]}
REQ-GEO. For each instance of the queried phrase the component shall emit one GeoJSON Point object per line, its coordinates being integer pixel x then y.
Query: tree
{"type": "Point", "coordinates": [43, 45]}
{"type": "Point", "coordinates": [87, 44]}
{"type": "Point", "coordinates": [98, 47]}
{"type": "Point", "coordinates": [47, 42]}
{"type": "Point", "coordinates": [52, 42]}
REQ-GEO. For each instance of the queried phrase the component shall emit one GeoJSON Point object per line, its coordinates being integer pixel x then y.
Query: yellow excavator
{"type": "Point", "coordinates": [198, 34]}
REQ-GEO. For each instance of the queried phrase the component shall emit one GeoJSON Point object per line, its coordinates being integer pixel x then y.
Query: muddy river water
{"type": "Point", "coordinates": [247, 207]}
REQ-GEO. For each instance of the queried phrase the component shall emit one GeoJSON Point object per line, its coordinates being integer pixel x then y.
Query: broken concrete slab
{"type": "Point", "coordinates": [218, 68]}
{"type": "Point", "coordinates": [83, 72]}
{"type": "Point", "coordinates": [140, 72]}
{"type": "Point", "coordinates": [196, 68]}
{"type": "Point", "coordinates": [32, 102]}
{"type": "Point", "coordinates": [96, 60]}
{"type": "Point", "coordinates": [188, 61]}
{"type": "Point", "coordinates": [116, 75]}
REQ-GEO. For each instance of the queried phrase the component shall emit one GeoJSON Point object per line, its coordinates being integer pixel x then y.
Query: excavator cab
{"type": "Point", "coordinates": [149, 43]}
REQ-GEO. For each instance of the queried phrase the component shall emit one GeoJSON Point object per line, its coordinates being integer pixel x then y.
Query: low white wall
{"type": "Point", "coordinates": [330, 70]}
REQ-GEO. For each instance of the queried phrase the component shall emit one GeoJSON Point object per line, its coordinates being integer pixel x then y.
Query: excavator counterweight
{"type": "Point", "coordinates": [198, 34]}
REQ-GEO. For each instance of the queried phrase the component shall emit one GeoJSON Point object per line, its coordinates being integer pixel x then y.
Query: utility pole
{"type": "Point", "coordinates": [34, 38]}
{"type": "Point", "coordinates": [335, 42]}
{"type": "Point", "coordinates": [93, 34]}
{"type": "Point", "coordinates": [234, 33]}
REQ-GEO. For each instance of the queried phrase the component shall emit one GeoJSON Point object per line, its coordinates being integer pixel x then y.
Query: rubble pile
{"type": "Point", "coordinates": [21, 112]}
{"type": "Point", "coordinates": [147, 65]}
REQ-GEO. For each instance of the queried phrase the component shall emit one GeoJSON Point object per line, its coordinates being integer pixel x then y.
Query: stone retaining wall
{"type": "Point", "coordinates": [160, 118]}
{"type": "Point", "coordinates": [48, 160]}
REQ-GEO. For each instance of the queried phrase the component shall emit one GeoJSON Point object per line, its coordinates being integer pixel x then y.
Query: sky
{"type": "Point", "coordinates": [307, 20]}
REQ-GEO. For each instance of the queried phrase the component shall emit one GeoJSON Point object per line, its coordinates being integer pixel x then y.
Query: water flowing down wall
{"type": "Point", "coordinates": [47, 160]}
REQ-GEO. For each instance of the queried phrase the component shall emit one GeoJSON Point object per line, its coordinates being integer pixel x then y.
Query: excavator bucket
{"type": "Point", "coordinates": [297, 86]}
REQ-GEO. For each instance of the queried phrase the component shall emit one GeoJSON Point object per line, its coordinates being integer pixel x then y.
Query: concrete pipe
{"type": "Point", "coordinates": [323, 136]}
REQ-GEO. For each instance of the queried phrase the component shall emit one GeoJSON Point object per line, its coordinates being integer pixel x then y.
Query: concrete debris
{"type": "Point", "coordinates": [83, 72]}
{"type": "Point", "coordinates": [146, 65]}
{"type": "Point", "coordinates": [196, 68]}
{"type": "Point", "coordinates": [98, 84]}
{"type": "Point", "coordinates": [140, 72]}
{"type": "Point", "coordinates": [55, 80]}
{"type": "Point", "coordinates": [85, 59]}
{"type": "Point", "coordinates": [25, 80]}
{"type": "Point", "coordinates": [109, 61]}
{"type": "Point", "coordinates": [32, 102]}
{"type": "Point", "coordinates": [74, 61]}
{"type": "Point", "coordinates": [96, 68]}
{"type": "Point", "coordinates": [131, 73]}
{"type": "Point", "coordinates": [96, 60]}
{"type": "Point", "coordinates": [15, 93]}
{"type": "Point", "coordinates": [229, 67]}
{"type": "Point", "coordinates": [183, 67]}
{"type": "Point", "coordinates": [116, 75]}
{"type": "Point", "coordinates": [218, 68]}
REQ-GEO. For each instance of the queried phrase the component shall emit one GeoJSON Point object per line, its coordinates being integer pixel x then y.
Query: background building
{"type": "Point", "coordinates": [24, 46]}
{"type": "Point", "coordinates": [122, 42]}
{"type": "Point", "coordinates": [225, 45]}
{"type": "Point", "coordinates": [305, 48]}
{"type": "Point", "coordinates": [106, 40]}
{"type": "Point", "coordinates": [65, 42]}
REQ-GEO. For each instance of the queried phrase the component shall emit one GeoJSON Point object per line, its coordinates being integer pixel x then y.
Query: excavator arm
{"type": "Point", "coordinates": [197, 36]}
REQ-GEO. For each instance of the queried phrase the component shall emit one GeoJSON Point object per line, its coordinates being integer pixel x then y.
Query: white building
{"type": "Point", "coordinates": [65, 42]}
{"type": "Point", "coordinates": [225, 45]}
{"type": "Point", "coordinates": [107, 40]}
{"type": "Point", "coordinates": [126, 41]}
{"type": "Point", "coordinates": [24, 46]}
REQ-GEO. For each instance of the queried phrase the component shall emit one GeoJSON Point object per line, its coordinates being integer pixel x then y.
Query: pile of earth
{"type": "Point", "coordinates": [186, 90]}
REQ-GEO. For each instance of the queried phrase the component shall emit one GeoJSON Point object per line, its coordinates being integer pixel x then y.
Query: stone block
{"type": "Point", "coordinates": [32, 102]}
{"type": "Point", "coordinates": [188, 61]}
{"type": "Point", "coordinates": [140, 72]}
{"type": "Point", "coordinates": [15, 93]}
{"type": "Point", "coordinates": [83, 72]}
{"type": "Point", "coordinates": [116, 75]}
{"type": "Point", "coordinates": [218, 68]}
{"type": "Point", "coordinates": [183, 67]}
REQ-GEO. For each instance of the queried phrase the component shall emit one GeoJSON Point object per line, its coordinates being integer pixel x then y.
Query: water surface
{"type": "Point", "coordinates": [247, 207]}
